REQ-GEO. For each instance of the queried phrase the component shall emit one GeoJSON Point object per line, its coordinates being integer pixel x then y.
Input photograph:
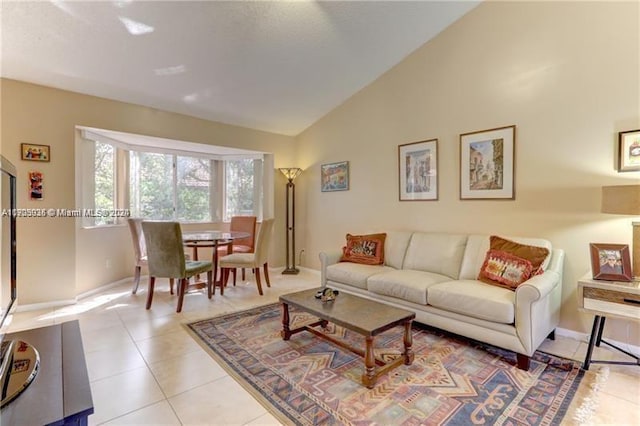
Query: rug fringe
{"type": "Point", "coordinates": [584, 413]}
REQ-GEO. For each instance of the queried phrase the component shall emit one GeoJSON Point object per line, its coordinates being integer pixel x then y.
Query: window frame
{"type": "Point", "coordinates": [122, 175]}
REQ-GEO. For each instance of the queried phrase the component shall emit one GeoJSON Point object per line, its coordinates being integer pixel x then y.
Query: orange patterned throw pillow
{"type": "Point", "coordinates": [504, 269]}
{"type": "Point", "coordinates": [535, 255]}
{"type": "Point", "coordinates": [366, 249]}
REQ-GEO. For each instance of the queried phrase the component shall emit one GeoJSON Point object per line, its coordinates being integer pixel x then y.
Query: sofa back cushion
{"type": "Point", "coordinates": [395, 248]}
{"type": "Point", "coordinates": [476, 252]}
{"type": "Point", "coordinates": [435, 252]}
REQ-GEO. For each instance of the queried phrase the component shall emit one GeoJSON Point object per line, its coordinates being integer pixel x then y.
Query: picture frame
{"type": "Point", "coordinates": [610, 262]}
{"type": "Point", "coordinates": [629, 151]}
{"type": "Point", "coordinates": [487, 164]}
{"type": "Point", "coordinates": [334, 176]}
{"type": "Point", "coordinates": [33, 152]}
{"type": "Point", "coordinates": [418, 171]}
{"type": "Point", "coordinates": [36, 182]}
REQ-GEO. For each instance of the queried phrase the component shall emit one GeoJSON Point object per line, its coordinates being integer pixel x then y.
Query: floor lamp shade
{"type": "Point", "coordinates": [291, 173]}
{"type": "Point", "coordinates": [625, 199]}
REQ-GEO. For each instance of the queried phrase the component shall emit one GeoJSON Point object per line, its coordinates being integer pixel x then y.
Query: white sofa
{"type": "Point", "coordinates": [434, 275]}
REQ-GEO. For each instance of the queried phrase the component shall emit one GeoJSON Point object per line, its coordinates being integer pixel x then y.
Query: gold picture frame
{"type": "Point", "coordinates": [33, 152]}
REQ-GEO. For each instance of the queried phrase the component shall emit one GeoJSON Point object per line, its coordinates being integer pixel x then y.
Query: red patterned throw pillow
{"type": "Point", "coordinates": [366, 249]}
{"type": "Point", "coordinates": [505, 269]}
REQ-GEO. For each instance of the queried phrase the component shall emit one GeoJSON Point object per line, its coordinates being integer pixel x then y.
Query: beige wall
{"type": "Point", "coordinates": [57, 261]}
{"type": "Point", "coordinates": [566, 74]}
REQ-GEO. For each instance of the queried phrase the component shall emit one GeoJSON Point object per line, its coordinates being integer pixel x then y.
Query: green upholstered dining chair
{"type": "Point", "coordinates": [255, 260]}
{"type": "Point", "coordinates": [166, 259]}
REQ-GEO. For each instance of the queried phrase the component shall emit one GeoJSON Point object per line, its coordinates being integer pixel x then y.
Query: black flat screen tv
{"type": "Point", "coordinates": [8, 243]}
{"type": "Point", "coordinates": [19, 361]}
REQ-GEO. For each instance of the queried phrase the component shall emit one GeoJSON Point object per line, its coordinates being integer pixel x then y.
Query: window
{"type": "Point", "coordinates": [241, 187]}
{"type": "Point", "coordinates": [161, 185]}
{"type": "Point", "coordinates": [194, 182]}
{"type": "Point", "coordinates": [104, 193]}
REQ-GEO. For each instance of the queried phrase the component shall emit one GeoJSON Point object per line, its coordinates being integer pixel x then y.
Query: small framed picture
{"type": "Point", "coordinates": [334, 176]}
{"type": "Point", "coordinates": [629, 151]}
{"type": "Point", "coordinates": [610, 262]}
{"type": "Point", "coordinates": [487, 160]}
{"type": "Point", "coordinates": [418, 171]}
{"type": "Point", "coordinates": [35, 186]}
{"type": "Point", "coordinates": [31, 152]}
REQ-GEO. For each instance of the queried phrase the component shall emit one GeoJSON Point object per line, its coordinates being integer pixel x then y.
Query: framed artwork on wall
{"type": "Point", "coordinates": [487, 160]}
{"type": "Point", "coordinates": [629, 151]}
{"type": "Point", "coordinates": [610, 262]}
{"type": "Point", "coordinates": [418, 171]}
{"type": "Point", "coordinates": [334, 176]}
{"type": "Point", "coordinates": [31, 152]}
{"type": "Point", "coordinates": [35, 186]}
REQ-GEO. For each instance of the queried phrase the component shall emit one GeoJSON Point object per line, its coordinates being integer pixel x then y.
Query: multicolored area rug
{"type": "Point", "coordinates": [452, 381]}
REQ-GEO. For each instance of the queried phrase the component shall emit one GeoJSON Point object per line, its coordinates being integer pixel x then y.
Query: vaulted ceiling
{"type": "Point", "coordinates": [269, 65]}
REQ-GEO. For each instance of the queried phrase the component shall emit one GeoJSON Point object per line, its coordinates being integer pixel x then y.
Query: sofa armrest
{"type": "Point", "coordinates": [537, 287]}
{"type": "Point", "coordinates": [328, 258]}
{"type": "Point", "coordinates": [538, 304]}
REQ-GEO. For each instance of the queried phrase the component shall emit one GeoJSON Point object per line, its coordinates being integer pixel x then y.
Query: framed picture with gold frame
{"type": "Point", "coordinates": [610, 262]}
{"type": "Point", "coordinates": [629, 151]}
{"type": "Point", "coordinates": [32, 152]}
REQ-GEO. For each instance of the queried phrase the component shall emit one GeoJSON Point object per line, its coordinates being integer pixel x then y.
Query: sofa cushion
{"type": "Point", "coordinates": [476, 251]}
{"type": "Point", "coordinates": [505, 269]}
{"type": "Point", "coordinates": [365, 249]}
{"type": "Point", "coordinates": [354, 274]}
{"type": "Point", "coordinates": [395, 248]}
{"type": "Point", "coordinates": [405, 284]}
{"type": "Point", "coordinates": [435, 252]}
{"type": "Point", "coordinates": [475, 299]}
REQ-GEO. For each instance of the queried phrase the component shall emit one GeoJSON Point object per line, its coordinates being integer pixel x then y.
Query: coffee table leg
{"type": "Point", "coordinates": [369, 376]}
{"type": "Point", "coordinates": [286, 331]}
{"type": "Point", "coordinates": [408, 342]}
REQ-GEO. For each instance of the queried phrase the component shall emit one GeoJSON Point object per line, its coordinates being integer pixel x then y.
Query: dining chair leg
{"type": "Point", "coordinates": [171, 285]}
{"type": "Point", "coordinates": [266, 274]}
{"type": "Point", "coordinates": [235, 272]}
{"type": "Point", "coordinates": [152, 284]}
{"type": "Point", "coordinates": [136, 280]}
{"type": "Point", "coordinates": [243, 276]}
{"type": "Point", "coordinates": [258, 283]}
{"type": "Point", "coordinates": [224, 276]}
{"type": "Point", "coordinates": [182, 289]}
{"type": "Point", "coordinates": [210, 283]}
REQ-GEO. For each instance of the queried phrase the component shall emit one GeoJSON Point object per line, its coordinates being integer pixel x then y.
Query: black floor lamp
{"type": "Point", "coordinates": [291, 173]}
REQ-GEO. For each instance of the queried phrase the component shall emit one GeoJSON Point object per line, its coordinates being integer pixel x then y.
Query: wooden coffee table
{"type": "Point", "coordinates": [363, 316]}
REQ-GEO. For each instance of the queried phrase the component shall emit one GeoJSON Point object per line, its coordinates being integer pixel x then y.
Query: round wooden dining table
{"type": "Point", "coordinates": [212, 239]}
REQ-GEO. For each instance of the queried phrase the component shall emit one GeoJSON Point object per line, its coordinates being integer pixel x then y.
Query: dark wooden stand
{"type": "Point", "coordinates": [60, 394]}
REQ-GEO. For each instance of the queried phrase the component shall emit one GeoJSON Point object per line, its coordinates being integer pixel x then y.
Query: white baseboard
{"type": "Point", "coordinates": [67, 302]}
{"type": "Point", "coordinates": [584, 337]}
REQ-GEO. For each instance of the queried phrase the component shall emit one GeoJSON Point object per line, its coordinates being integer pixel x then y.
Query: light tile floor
{"type": "Point", "coordinates": [145, 369]}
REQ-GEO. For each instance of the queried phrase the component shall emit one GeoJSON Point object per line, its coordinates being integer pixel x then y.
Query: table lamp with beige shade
{"type": "Point", "coordinates": [625, 199]}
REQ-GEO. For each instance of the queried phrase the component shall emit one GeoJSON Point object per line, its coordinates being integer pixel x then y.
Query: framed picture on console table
{"type": "Point", "coordinates": [487, 160]}
{"type": "Point", "coordinates": [418, 171]}
{"type": "Point", "coordinates": [610, 262]}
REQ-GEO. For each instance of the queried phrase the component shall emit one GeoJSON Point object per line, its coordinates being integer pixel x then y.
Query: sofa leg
{"type": "Point", "coordinates": [523, 362]}
{"type": "Point", "coordinates": [552, 335]}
